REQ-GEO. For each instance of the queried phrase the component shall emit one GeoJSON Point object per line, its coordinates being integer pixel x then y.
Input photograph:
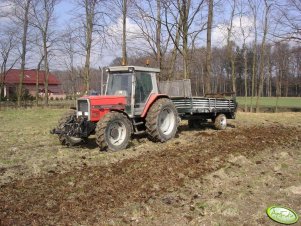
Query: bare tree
{"type": "Point", "coordinates": [90, 11]}
{"type": "Point", "coordinates": [175, 48]}
{"type": "Point", "coordinates": [158, 34]}
{"type": "Point", "coordinates": [288, 17]}
{"type": "Point", "coordinates": [208, 68]}
{"type": "Point", "coordinates": [184, 14]}
{"type": "Point", "coordinates": [38, 79]}
{"type": "Point", "coordinates": [281, 58]}
{"type": "Point", "coordinates": [254, 6]}
{"type": "Point", "coordinates": [70, 52]}
{"type": "Point", "coordinates": [230, 46]}
{"type": "Point", "coordinates": [147, 17]}
{"type": "Point", "coordinates": [245, 34]}
{"type": "Point", "coordinates": [262, 53]}
{"type": "Point", "coordinates": [8, 43]}
{"type": "Point", "coordinates": [124, 14]}
{"type": "Point", "coordinates": [43, 15]}
{"type": "Point", "coordinates": [22, 15]}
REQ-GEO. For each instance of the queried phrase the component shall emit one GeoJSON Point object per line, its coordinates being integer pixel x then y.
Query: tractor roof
{"type": "Point", "coordinates": [133, 68]}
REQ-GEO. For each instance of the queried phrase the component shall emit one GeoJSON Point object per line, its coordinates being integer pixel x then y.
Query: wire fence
{"type": "Point", "coordinates": [30, 104]}
{"type": "Point", "coordinates": [176, 88]}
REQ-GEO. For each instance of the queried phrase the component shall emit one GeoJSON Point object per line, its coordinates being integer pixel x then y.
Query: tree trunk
{"type": "Point", "coordinates": [90, 13]}
{"type": "Point", "coordinates": [174, 51]}
{"type": "Point", "coordinates": [230, 49]}
{"type": "Point", "coordinates": [208, 68]}
{"type": "Point", "coordinates": [245, 76]}
{"type": "Point", "coordinates": [158, 34]}
{"type": "Point", "coordinates": [124, 13]}
{"type": "Point", "coordinates": [37, 80]}
{"type": "Point", "coordinates": [46, 70]}
{"type": "Point", "coordinates": [23, 54]}
{"type": "Point", "coordinates": [1, 88]}
{"type": "Point", "coordinates": [254, 61]}
{"type": "Point", "coordinates": [278, 89]}
{"type": "Point", "coordinates": [184, 14]}
{"type": "Point", "coordinates": [262, 53]}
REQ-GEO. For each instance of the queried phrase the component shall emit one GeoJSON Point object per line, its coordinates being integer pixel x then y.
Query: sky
{"type": "Point", "coordinates": [65, 15]}
{"type": "Point", "coordinates": [219, 33]}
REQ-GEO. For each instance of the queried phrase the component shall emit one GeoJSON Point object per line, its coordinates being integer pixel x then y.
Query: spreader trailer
{"type": "Point", "coordinates": [198, 110]}
{"type": "Point", "coordinates": [132, 104]}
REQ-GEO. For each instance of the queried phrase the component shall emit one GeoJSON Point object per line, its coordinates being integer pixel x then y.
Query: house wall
{"type": "Point", "coordinates": [10, 90]}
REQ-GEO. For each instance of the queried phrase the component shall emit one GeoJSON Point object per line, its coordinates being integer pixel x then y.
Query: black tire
{"type": "Point", "coordinates": [220, 122]}
{"type": "Point", "coordinates": [162, 120]}
{"type": "Point", "coordinates": [61, 123]}
{"type": "Point", "coordinates": [113, 132]}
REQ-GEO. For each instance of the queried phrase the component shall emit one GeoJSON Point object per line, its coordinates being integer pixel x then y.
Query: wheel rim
{"type": "Point", "coordinates": [223, 122]}
{"type": "Point", "coordinates": [166, 121]}
{"type": "Point", "coordinates": [117, 133]}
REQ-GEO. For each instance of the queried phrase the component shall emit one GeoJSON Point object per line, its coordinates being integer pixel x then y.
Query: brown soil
{"type": "Point", "coordinates": [203, 177]}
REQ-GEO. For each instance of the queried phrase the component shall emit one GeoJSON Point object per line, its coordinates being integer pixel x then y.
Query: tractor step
{"type": "Point", "coordinates": [137, 123]}
{"type": "Point", "coordinates": [139, 132]}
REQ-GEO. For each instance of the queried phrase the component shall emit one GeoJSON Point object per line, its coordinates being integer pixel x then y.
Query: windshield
{"type": "Point", "coordinates": [120, 84]}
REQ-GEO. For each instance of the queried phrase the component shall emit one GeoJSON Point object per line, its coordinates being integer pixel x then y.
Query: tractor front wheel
{"type": "Point", "coordinates": [162, 120]}
{"type": "Point", "coordinates": [113, 132]}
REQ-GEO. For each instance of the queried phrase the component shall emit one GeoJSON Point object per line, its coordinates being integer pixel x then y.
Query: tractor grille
{"type": "Point", "coordinates": [83, 105]}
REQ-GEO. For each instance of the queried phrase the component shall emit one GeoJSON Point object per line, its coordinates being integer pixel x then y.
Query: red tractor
{"type": "Point", "coordinates": [131, 105]}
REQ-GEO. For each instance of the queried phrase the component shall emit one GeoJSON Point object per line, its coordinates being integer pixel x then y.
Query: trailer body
{"type": "Point", "coordinates": [204, 107]}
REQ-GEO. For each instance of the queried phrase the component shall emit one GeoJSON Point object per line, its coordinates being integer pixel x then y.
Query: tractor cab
{"type": "Point", "coordinates": [136, 84]}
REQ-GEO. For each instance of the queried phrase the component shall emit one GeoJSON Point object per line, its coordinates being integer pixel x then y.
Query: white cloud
{"type": "Point", "coordinates": [220, 33]}
{"type": "Point", "coordinates": [134, 37]}
{"type": "Point", "coordinates": [6, 9]}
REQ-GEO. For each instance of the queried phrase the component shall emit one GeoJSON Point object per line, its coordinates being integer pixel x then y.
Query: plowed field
{"type": "Point", "coordinates": [202, 177]}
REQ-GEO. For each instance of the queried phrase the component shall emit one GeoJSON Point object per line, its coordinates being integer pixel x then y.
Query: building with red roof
{"type": "Point", "coordinates": [31, 77]}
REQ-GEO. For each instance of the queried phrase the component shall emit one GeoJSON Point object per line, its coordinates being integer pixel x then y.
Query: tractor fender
{"type": "Point", "coordinates": [122, 112]}
{"type": "Point", "coordinates": [126, 115]}
{"type": "Point", "coordinates": [152, 99]}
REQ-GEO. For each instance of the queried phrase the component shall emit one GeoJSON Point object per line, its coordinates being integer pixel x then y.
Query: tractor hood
{"type": "Point", "coordinates": [95, 107]}
{"type": "Point", "coordinates": [102, 102]}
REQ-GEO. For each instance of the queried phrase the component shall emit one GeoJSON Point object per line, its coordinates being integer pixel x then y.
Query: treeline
{"type": "Point", "coordinates": [282, 70]}
{"type": "Point", "coordinates": [249, 47]}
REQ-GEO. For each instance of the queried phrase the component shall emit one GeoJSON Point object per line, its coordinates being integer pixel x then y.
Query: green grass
{"type": "Point", "coordinates": [286, 102]}
{"type": "Point", "coordinates": [27, 147]}
{"type": "Point", "coordinates": [27, 127]}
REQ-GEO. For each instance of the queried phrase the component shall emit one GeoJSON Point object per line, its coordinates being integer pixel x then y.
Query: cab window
{"type": "Point", "coordinates": [143, 87]}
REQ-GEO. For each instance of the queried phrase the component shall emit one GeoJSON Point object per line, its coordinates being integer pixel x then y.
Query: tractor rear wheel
{"type": "Point", "coordinates": [113, 132]}
{"type": "Point", "coordinates": [162, 120]}
{"type": "Point", "coordinates": [220, 122]}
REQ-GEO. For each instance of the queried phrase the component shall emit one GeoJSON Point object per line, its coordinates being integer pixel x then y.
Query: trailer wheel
{"type": "Point", "coordinates": [162, 120]}
{"type": "Point", "coordinates": [113, 132]}
{"type": "Point", "coordinates": [220, 122]}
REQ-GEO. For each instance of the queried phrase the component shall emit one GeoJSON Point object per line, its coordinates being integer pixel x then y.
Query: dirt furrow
{"type": "Point", "coordinates": [90, 195]}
